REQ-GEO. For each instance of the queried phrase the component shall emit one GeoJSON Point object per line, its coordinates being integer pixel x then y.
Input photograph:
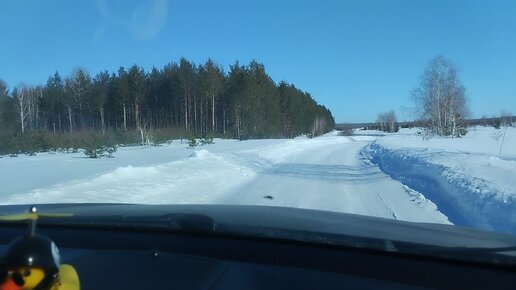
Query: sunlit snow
{"type": "Point", "coordinates": [468, 181]}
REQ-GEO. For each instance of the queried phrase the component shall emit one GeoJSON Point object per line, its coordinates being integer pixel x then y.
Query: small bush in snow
{"type": "Point", "coordinates": [110, 150]}
{"type": "Point", "coordinates": [427, 134]}
{"type": "Point", "coordinates": [497, 123]}
{"type": "Point", "coordinates": [192, 142]}
{"type": "Point", "coordinates": [206, 141]}
{"type": "Point", "coordinates": [497, 134]}
{"type": "Point", "coordinates": [94, 152]}
{"type": "Point", "coordinates": [98, 152]}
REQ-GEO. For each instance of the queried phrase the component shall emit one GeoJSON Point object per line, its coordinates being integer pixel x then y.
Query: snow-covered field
{"type": "Point", "coordinates": [463, 181]}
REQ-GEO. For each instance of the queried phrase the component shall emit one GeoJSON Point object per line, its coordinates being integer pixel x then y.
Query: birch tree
{"type": "Point", "coordinates": [387, 121]}
{"type": "Point", "coordinates": [23, 104]}
{"type": "Point", "coordinates": [440, 99]}
{"type": "Point", "coordinates": [122, 85]}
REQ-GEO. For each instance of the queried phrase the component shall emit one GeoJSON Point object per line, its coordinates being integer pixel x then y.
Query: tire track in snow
{"type": "Point", "coordinates": [332, 177]}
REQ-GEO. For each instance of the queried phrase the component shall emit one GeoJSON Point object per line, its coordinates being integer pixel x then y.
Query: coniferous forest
{"type": "Point", "coordinates": [134, 106]}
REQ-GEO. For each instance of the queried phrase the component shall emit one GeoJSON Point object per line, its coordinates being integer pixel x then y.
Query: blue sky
{"type": "Point", "coordinates": [358, 58]}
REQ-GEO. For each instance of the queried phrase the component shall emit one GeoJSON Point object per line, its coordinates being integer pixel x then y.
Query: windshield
{"type": "Point", "coordinates": [402, 110]}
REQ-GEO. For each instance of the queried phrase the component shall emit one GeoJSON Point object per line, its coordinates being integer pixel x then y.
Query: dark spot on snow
{"type": "Point", "coordinates": [268, 197]}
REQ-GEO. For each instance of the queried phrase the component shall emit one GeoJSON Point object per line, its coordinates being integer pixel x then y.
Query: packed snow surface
{"type": "Point", "coordinates": [463, 181]}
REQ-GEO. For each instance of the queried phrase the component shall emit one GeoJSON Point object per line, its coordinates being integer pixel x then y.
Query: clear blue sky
{"type": "Point", "coordinates": [356, 57]}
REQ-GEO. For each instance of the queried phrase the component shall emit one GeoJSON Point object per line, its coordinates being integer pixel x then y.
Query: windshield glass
{"type": "Point", "coordinates": [402, 110]}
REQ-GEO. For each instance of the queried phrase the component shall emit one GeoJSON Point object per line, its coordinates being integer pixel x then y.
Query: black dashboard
{"type": "Point", "coordinates": [129, 259]}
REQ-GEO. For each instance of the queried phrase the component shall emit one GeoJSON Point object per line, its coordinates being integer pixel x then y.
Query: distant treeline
{"type": "Point", "coordinates": [496, 122]}
{"type": "Point", "coordinates": [133, 105]}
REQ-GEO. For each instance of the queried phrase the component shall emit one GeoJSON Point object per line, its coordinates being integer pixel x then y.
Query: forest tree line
{"type": "Point", "coordinates": [132, 105]}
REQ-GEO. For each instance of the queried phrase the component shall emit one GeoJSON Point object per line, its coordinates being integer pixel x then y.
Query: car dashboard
{"type": "Point", "coordinates": [150, 259]}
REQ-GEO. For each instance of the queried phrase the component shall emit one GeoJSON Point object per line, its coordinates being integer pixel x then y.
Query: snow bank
{"type": "Point", "coordinates": [468, 180]}
{"type": "Point", "coordinates": [197, 179]}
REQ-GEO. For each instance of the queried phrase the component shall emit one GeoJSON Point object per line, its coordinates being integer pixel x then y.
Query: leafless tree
{"type": "Point", "coordinates": [387, 121]}
{"type": "Point", "coordinates": [506, 119]}
{"type": "Point", "coordinates": [35, 94]}
{"type": "Point", "coordinates": [440, 99]}
{"type": "Point", "coordinates": [23, 99]}
{"type": "Point", "coordinates": [146, 135]}
{"type": "Point", "coordinates": [318, 126]}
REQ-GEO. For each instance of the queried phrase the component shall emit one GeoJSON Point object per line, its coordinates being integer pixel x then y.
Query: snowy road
{"type": "Point", "coordinates": [332, 176]}
{"type": "Point", "coordinates": [325, 173]}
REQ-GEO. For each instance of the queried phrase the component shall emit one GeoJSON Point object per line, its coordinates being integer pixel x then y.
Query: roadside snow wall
{"type": "Point", "coordinates": [465, 200]}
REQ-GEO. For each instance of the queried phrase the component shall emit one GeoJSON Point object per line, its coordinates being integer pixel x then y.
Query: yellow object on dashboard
{"type": "Point", "coordinates": [30, 278]}
{"type": "Point", "coordinates": [68, 278]}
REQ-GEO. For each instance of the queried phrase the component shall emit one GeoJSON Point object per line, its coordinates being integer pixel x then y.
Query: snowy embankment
{"type": "Point", "coordinates": [167, 174]}
{"type": "Point", "coordinates": [171, 173]}
{"type": "Point", "coordinates": [467, 178]}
